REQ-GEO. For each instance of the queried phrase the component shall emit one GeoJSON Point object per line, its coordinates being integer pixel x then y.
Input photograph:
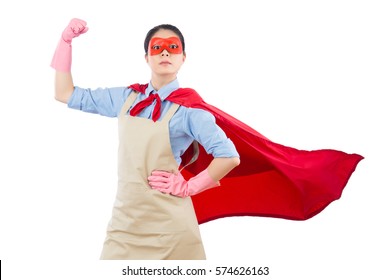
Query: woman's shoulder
{"type": "Point", "coordinates": [196, 114]}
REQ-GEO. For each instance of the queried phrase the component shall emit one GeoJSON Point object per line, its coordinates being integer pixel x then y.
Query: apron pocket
{"type": "Point", "coordinates": [149, 211]}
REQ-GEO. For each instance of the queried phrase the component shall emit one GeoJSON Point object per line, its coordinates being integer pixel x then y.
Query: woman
{"type": "Point", "coordinates": [153, 216]}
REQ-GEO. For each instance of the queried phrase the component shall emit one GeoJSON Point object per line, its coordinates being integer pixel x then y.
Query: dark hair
{"type": "Point", "coordinates": [166, 27]}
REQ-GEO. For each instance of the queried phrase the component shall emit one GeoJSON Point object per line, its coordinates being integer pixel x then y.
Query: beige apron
{"type": "Point", "coordinates": [145, 223]}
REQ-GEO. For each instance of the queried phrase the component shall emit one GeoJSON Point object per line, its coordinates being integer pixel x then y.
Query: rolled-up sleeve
{"type": "Point", "coordinates": [201, 126]}
{"type": "Point", "coordinates": [104, 101]}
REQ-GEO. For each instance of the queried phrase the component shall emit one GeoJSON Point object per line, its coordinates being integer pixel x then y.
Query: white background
{"type": "Point", "coordinates": [306, 74]}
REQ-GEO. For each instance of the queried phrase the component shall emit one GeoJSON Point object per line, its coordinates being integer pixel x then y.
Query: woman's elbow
{"type": "Point", "coordinates": [235, 161]}
{"type": "Point", "coordinates": [60, 98]}
{"type": "Point", "coordinates": [63, 96]}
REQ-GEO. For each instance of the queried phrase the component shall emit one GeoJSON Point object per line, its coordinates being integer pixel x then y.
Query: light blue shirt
{"type": "Point", "coordinates": [187, 124]}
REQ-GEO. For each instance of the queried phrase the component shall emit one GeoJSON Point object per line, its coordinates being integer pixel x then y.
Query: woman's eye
{"type": "Point", "coordinates": [156, 47]}
{"type": "Point", "coordinates": [173, 46]}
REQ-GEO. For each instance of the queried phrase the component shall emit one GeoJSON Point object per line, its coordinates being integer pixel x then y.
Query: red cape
{"type": "Point", "coordinates": [272, 180]}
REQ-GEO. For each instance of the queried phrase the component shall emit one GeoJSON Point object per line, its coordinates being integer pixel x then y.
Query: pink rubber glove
{"type": "Point", "coordinates": [62, 59]}
{"type": "Point", "coordinates": [175, 184]}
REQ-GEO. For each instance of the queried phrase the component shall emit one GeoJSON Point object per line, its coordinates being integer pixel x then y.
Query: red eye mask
{"type": "Point", "coordinates": [171, 44]}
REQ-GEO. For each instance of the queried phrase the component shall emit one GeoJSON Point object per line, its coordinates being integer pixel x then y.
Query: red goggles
{"type": "Point", "coordinates": [172, 45]}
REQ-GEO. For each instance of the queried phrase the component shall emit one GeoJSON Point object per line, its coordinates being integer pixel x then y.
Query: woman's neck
{"type": "Point", "coordinates": [160, 81]}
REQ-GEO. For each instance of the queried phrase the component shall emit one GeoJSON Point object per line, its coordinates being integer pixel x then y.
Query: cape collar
{"type": "Point", "coordinates": [163, 92]}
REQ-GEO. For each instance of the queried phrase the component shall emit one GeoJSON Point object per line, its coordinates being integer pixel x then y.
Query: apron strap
{"type": "Point", "coordinates": [195, 147]}
{"type": "Point", "coordinates": [129, 101]}
{"type": "Point", "coordinates": [170, 113]}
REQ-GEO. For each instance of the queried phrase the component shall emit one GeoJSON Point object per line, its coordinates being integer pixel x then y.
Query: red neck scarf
{"type": "Point", "coordinates": [140, 106]}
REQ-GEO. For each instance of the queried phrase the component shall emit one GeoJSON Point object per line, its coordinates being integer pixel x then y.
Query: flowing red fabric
{"type": "Point", "coordinates": [272, 180]}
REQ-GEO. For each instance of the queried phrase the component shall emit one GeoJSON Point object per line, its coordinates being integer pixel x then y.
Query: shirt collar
{"type": "Point", "coordinates": [163, 92]}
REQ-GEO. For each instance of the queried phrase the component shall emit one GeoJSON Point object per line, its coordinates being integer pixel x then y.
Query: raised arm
{"type": "Point", "coordinates": [62, 60]}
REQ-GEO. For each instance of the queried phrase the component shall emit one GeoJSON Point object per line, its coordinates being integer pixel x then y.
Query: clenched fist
{"type": "Point", "coordinates": [62, 58]}
{"type": "Point", "coordinates": [74, 29]}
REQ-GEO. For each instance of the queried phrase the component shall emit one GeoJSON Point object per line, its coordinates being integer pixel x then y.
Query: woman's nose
{"type": "Point", "coordinates": [165, 53]}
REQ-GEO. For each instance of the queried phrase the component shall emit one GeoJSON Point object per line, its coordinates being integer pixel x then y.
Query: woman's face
{"type": "Point", "coordinates": [165, 55]}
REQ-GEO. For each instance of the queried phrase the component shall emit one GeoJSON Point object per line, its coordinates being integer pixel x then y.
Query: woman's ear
{"type": "Point", "coordinates": [146, 58]}
{"type": "Point", "coordinates": [184, 56]}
